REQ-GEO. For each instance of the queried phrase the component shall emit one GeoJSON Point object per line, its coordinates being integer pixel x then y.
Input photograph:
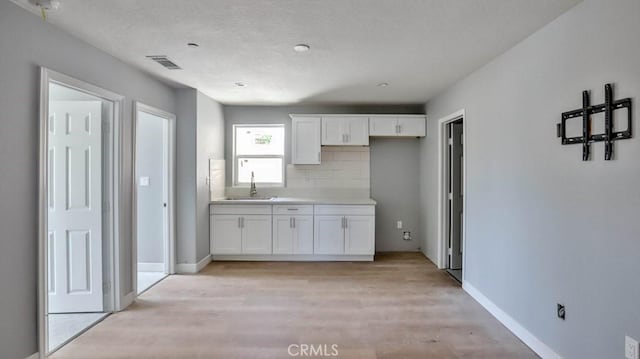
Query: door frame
{"type": "Point", "coordinates": [443, 214]}
{"type": "Point", "coordinates": [113, 298]}
{"type": "Point", "coordinates": [169, 244]}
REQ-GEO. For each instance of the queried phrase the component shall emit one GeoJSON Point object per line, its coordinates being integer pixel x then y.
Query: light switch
{"type": "Point", "coordinates": [144, 181]}
{"type": "Point", "coordinates": [399, 225]}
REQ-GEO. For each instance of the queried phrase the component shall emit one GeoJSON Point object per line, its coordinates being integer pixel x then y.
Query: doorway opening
{"type": "Point", "coordinates": [77, 236]}
{"type": "Point", "coordinates": [154, 182]}
{"type": "Point", "coordinates": [452, 181]}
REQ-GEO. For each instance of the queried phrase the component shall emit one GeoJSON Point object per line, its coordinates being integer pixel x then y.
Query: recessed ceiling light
{"type": "Point", "coordinates": [383, 84]}
{"type": "Point", "coordinates": [302, 48]}
{"type": "Point", "coordinates": [193, 45]}
{"type": "Point", "coordinates": [240, 84]}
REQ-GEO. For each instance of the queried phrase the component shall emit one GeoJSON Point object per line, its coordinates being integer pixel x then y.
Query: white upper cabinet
{"type": "Point", "coordinates": [383, 126]}
{"type": "Point", "coordinates": [395, 126]}
{"type": "Point", "coordinates": [345, 130]}
{"type": "Point", "coordinates": [305, 140]}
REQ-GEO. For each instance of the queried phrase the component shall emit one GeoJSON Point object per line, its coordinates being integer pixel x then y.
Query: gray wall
{"type": "Point", "coordinates": [150, 211]}
{"type": "Point", "coordinates": [543, 226]}
{"type": "Point", "coordinates": [200, 137]}
{"type": "Point", "coordinates": [385, 188]}
{"type": "Point", "coordinates": [27, 42]}
{"type": "Point", "coordinates": [186, 177]}
{"type": "Point", "coordinates": [210, 145]}
{"type": "Point", "coordinates": [395, 184]}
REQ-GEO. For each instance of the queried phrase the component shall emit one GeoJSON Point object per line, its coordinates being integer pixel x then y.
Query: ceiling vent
{"type": "Point", "coordinates": [164, 61]}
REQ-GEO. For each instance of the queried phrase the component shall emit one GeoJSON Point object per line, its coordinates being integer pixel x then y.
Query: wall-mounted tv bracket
{"type": "Point", "coordinates": [609, 135]}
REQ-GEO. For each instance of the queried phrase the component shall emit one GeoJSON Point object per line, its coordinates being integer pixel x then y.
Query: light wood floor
{"type": "Point", "coordinates": [399, 306]}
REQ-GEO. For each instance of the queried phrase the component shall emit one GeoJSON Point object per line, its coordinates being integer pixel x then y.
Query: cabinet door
{"type": "Point", "coordinates": [329, 235]}
{"type": "Point", "coordinates": [305, 140]}
{"type": "Point", "coordinates": [303, 234]}
{"type": "Point", "coordinates": [383, 126]}
{"type": "Point", "coordinates": [283, 235]}
{"type": "Point", "coordinates": [360, 235]}
{"type": "Point", "coordinates": [332, 131]}
{"type": "Point", "coordinates": [256, 234]}
{"type": "Point", "coordinates": [357, 131]}
{"type": "Point", "coordinates": [225, 234]}
{"type": "Point", "coordinates": [412, 126]}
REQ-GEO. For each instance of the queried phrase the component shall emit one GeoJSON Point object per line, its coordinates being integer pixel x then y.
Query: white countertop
{"type": "Point", "coordinates": [291, 200]}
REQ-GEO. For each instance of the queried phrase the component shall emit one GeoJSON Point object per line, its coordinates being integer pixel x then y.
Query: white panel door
{"type": "Point", "coordinates": [412, 126]}
{"type": "Point", "coordinates": [357, 131]}
{"type": "Point", "coordinates": [360, 235]}
{"type": "Point", "coordinates": [256, 234]}
{"type": "Point", "coordinates": [383, 126]}
{"type": "Point", "coordinates": [75, 207]}
{"type": "Point", "coordinates": [332, 131]}
{"type": "Point", "coordinates": [303, 234]}
{"type": "Point", "coordinates": [282, 235]}
{"type": "Point", "coordinates": [329, 235]}
{"type": "Point", "coordinates": [226, 234]}
{"type": "Point", "coordinates": [305, 140]}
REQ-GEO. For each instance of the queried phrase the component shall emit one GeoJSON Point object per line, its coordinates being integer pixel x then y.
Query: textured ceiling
{"type": "Point", "coordinates": [419, 47]}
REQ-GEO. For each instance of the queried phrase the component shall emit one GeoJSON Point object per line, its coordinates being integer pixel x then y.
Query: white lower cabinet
{"type": "Point", "coordinates": [262, 232]}
{"type": "Point", "coordinates": [292, 234]}
{"type": "Point", "coordinates": [329, 235]}
{"type": "Point", "coordinates": [240, 229]}
{"type": "Point", "coordinates": [346, 230]}
{"type": "Point", "coordinates": [256, 237]}
{"type": "Point", "coordinates": [359, 235]}
{"type": "Point", "coordinates": [226, 234]}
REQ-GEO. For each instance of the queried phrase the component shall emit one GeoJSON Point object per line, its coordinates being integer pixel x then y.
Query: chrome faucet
{"type": "Point", "coordinates": [253, 191]}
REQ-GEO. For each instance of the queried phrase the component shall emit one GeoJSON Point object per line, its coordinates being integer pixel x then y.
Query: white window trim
{"type": "Point", "coordinates": [235, 157]}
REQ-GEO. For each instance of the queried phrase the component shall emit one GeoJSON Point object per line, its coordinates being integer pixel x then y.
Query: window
{"type": "Point", "coordinates": [258, 149]}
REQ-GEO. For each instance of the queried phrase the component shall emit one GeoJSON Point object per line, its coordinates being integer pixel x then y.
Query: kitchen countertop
{"type": "Point", "coordinates": [292, 200]}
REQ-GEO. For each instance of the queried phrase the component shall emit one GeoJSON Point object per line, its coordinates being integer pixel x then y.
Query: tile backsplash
{"type": "Point", "coordinates": [340, 168]}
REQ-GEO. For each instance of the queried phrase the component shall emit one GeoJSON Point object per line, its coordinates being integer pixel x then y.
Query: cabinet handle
{"type": "Point", "coordinates": [292, 209]}
{"type": "Point", "coordinates": [242, 222]}
{"type": "Point", "coordinates": [294, 222]}
{"type": "Point", "coordinates": [346, 223]}
{"type": "Point", "coordinates": [239, 222]}
{"type": "Point", "coordinates": [290, 222]}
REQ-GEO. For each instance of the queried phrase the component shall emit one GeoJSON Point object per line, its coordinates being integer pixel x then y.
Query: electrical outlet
{"type": "Point", "coordinates": [561, 311]}
{"type": "Point", "coordinates": [631, 348]}
{"type": "Point", "coordinates": [399, 225]}
{"type": "Point", "coordinates": [406, 236]}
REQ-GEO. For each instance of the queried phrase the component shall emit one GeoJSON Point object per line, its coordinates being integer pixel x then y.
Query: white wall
{"type": "Point", "coordinates": [542, 226]}
{"type": "Point", "coordinates": [26, 42]}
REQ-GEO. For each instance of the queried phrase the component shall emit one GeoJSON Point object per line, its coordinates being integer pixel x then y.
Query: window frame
{"type": "Point", "coordinates": [235, 157]}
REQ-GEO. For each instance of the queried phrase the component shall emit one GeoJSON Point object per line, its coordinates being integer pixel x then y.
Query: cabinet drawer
{"type": "Point", "coordinates": [240, 209]}
{"type": "Point", "coordinates": [293, 209]}
{"type": "Point", "coordinates": [345, 210]}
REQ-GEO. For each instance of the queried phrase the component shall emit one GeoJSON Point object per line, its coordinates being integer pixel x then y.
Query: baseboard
{"type": "Point", "coordinates": [516, 328]}
{"type": "Point", "coordinates": [292, 258]}
{"type": "Point", "coordinates": [150, 267]}
{"type": "Point", "coordinates": [192, 268]}
{"type": "Point", "coordinates": [35, 355]}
